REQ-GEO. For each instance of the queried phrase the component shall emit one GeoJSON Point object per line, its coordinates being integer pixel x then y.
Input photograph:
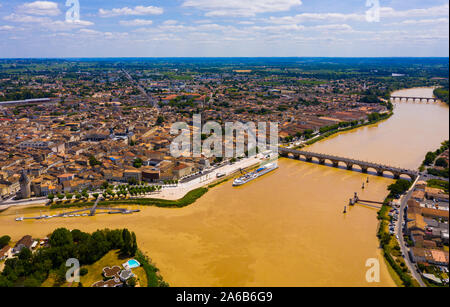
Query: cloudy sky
{"type": "Point", "coordinates": [224, 28]}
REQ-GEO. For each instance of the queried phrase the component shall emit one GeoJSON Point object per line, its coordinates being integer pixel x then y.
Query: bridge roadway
{"type": "Point", "coordinates": [432, 99]}
{"type": "Point", "coordinates": [364, 165]}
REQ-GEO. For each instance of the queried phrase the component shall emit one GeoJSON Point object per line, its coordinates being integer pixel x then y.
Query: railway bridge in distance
{"type": "Point", "coordinates": [427, 99]}
{"type": "Point", "coordinates": [350, 163]}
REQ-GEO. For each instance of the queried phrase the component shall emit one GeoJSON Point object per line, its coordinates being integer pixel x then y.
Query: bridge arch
{"type": "Point", "coordinates": [410, 176]}
{"type": "Point", "coordinates": [393, 174]}
{"type": "Point", "coordinates": [371, 169]}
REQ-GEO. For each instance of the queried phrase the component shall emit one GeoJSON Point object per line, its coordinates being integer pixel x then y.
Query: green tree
{"type": "Point", "coordinates": [25, 254]}
{"type": "Point", "coordinates": [429, 158]}
{"type": "Point", "coordinates": [105, 185]}
{"type": "Point", "coordinates": [132, 282]}
{"type": "Point", "coordinates": [127, 242]}
{"type": "Point", "coordinates": [137, 163]}
{"type": "Point", "coordinates": [93, 161]}
{"type": "Point", "coordinates": [160, 120]}
{"type": "Point", "coordinates": [31, 282]}
{"type": "Point", "coordinates": [83, 271]}
{"type": "Point", "coordinates": [4, 241]}
{"type": "Point", "coordinates": [441, 162]}
{"type": "Point", "coordinates": [399, 187]}
{"type": "Point", "coordinates": [61, 237]}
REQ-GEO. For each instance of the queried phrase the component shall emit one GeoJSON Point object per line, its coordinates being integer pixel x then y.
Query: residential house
{"type": "Point", "coordinates": [25, 242]}
{"type": "Point", "coordinates": [5, 252]}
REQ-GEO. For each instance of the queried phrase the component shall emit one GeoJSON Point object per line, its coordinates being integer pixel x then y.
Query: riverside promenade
{"type": "Point", "coordinates": [177, 192]}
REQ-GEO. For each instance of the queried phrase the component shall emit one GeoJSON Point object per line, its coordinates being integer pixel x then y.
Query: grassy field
{"type": "Point", "coordinates": [333, 132]}
{"type": "Point", "coordinates": [393, 274]}
{"type": "Point", "coordinates": [187, 200]}
{"type": "Point", "coordinates": [439, 184]}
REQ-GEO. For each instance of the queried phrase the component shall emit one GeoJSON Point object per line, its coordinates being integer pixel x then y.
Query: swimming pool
{"type": "Point", "coordinates": [133, 264]}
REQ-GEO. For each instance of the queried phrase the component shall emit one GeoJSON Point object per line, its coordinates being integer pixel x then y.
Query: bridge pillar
{"type": "Point", "coordinates": [396, 176]}
{"type": "Point", "coordinates": [335, 163]}
{"type": "Point", "coordinates": [380, 172]}
{"type": "Point", "coordinates": [349, 166]}
{"type": "Point", "coordinates": [297, 157]}
{"type": "Point", "coordinates": [309, 159]}
{"type": "Point", "coordinates": [284, 154]}
{"type": "Point", "coordinates": [364, 169]}
{"type": "Point", "coordinates": [321, 161]}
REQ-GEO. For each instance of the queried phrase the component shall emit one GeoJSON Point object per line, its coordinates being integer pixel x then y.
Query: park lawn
{"type": "Point", "coordinates": [393, 274]}
{"type": "Point", "coordinates": [438, 184]}
{"type": "Point", "coordinates": [95, 270]}
{"type": "Point", "coordinates": [141, 276]}
{"type": "Point", "coordinates": [50, 281]}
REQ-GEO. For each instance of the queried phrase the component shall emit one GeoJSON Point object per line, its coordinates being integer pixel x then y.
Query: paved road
{"type": "Point", "coordinates": [405, 251]}
{"type": "Point", "coordinates": [143, 91]}
{"type": "Point", "coordinates": [203, 174]}
{"type": "Point", "coordinates": [426, 176]}
{"type": "Point", "coordinates": [25, 202]}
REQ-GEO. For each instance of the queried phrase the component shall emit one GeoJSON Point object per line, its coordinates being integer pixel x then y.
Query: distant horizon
{"type": "Point", "coordinates": [231, 57]}
{"type": "Point", "coordinates": [218, 28]}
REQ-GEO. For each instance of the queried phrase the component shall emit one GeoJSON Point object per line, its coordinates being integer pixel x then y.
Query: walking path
{"type": "Point", "coordinates": [175, 193]}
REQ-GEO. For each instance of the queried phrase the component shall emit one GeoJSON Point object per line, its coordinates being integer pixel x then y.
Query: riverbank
{"type": "Point", "coordinates": [391, 248]}
{"type": "Point", "coordinates": [198, 190]}
{"type": "Point", "coordinates": [187, 200]}
{"type": "Point", "coordinates": [430, 163]}
{"type": "Point", "coordinates": [442, 94]}
{"type": "Point", "coordinates": [328, 134]}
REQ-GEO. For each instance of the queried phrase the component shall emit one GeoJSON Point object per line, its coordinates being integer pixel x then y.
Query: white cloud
{"type": "Point", "coordinates": [435, 11]}
{"type": "Point", "coordinates": [385, 12]}
{"type": "Point", "coordinates": [136, 22]}
{"type": "Point", "coordinates": [241, 8]}
{"type": "Point", "coordinates": [83, 23]}
{"type": "Point", "coordinates": [47, 23]}
{"type": "Point", "coordinates": [421, 22]}
{"type": "Point", "coordinates": [89, 31]}
{"type": "Point", "coordinates": [59, 25]}
{"type": "Point", "coordinates": [246, 22]}
{"type": "Point", "coordinates": [26, 19]}
{"type": "Point", "coordinates": [333, 27]}
{"type": "Point", "coordinates": [136, 11]}
{"type": "Point", "coordinates": [307, 17]}
{"type": "Point", "coordinates": [42, 8]}
{"type": "Point", "coordinates": [6, 28]}
{"type": "Point", "coordinates": [170, 22]}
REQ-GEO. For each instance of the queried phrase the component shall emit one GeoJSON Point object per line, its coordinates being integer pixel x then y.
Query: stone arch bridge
{"type": "Point", "coordinates": [429, 99]}
{"type": "Point", "coordinates": [350, 163]}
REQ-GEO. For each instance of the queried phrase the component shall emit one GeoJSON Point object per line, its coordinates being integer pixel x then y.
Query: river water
{"type": "Point", "coordinates": [285, 229]}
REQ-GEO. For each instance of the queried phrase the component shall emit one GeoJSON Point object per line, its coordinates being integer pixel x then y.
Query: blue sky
{"type": "Point", "coordinates": [224, 28]}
